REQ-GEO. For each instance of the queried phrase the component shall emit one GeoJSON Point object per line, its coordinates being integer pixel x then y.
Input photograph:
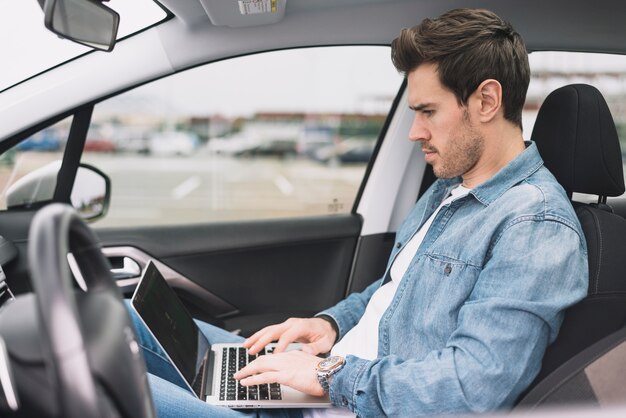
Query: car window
{"type": "Point", "coordinates": [272, 135]}
{"type": "Point", "coordinates": [28, 171]}
{"type": "Point", "coordinates": [551, 70]}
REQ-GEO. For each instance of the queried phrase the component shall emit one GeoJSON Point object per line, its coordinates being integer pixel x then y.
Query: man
{"type": "Point", "coordinates": [482, 269]}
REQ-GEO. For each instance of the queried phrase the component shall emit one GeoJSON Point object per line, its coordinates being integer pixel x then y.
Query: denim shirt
{"type": "Point", "coordinates": [481, 300]}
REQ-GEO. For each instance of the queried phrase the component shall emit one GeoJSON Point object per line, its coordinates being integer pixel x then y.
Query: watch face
{"type": "Point", "coordinates": [330, 363]}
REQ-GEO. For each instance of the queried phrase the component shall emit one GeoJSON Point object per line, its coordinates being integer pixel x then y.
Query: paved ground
{"type": "Point", "coordinates": [148, 190]}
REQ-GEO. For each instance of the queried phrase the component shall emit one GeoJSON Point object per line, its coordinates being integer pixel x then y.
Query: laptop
{"type": "Point", "coordinates": [207, 369]}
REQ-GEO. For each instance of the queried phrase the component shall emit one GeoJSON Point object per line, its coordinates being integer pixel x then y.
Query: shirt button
{"type": "Point", "coordinates": [344, 401]}
{"type": "Point", "coordinates": [398, 244]}
{"type": "Point", "coordinates": [447, 270]}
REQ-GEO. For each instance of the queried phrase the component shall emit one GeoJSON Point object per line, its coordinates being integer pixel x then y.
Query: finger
{"type": "Point", "coordinates": [252, 339]}
{"type": "Point", "coordinates": [261, 365]}
{"type": "Point", "coordinates": [261, 343]}
{"type": "Point", "coordinates": [285, 339]}
{"type": "Point", "coordinates": [260, 379]}
{"type": "Point", "coordinates": [270, 335]}
{"type": "Point", "coordinates": [310, 348]}
{"type": "Point", "coordinates": [258, 335]}
{"type": "Point", "coordinates": [316, 347]}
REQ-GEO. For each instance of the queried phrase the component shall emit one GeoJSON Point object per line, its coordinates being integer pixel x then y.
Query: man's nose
{"type": "Point", "coordinates": [418, 131]}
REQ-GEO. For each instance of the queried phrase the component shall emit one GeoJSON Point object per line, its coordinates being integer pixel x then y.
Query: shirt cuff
{"type": "Point", "coordinates": [343, 384]}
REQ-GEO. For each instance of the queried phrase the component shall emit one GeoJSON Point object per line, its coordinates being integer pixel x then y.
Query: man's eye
{"type": "Point", "coordinates": [427, 112]}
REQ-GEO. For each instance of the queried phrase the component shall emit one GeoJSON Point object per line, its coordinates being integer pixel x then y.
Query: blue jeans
{"type": "Point", "coordinates": [169, 393]}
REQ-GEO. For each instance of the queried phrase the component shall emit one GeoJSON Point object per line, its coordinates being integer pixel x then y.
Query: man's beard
{"type": "Point", "coordinates": [462, 153]}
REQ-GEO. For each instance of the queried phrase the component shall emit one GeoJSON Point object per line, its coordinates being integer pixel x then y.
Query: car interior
{"type": "Point", "coordinates": [66, 343]}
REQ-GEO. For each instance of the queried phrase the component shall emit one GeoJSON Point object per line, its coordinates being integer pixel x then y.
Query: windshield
{"type": "Point", "coordinates": [27, 48]}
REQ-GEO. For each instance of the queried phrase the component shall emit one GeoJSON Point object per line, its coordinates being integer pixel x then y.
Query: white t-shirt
{"type": "Point", "coordinates": [362, 340]}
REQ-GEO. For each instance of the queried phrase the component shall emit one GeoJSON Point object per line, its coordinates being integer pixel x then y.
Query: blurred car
{"type": "Point", "coordinates": [98, 140]}
{"type": "Point", "coordinates": [131, 140]}
{"type": "Point", "coordinates": [309, 148]}
{"type": "Point", "coordinates": [231, 145]}
{"type": "Point", "coordinates": [315, 136]}
{"type": "Point", "coordinates": [173, 143]}
{"type": "Point", "coordinates": [99, 145]}
{"type": "Point", "coordinates": [273, 147]}
{"type": "Point", "coordinates": [358, 153]}
{"type": "Point", "coordinates": [240, 274]}
{"type": "Point", "coordinates": [353, 150]}
{"type": "Point", "coordinates": [41, 141]}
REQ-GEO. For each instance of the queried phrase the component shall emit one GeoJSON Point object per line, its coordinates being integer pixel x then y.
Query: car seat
{"type": "Point", "coordinates": [594, 376]}
{"type": "Point", "coordinates": [578, 141]}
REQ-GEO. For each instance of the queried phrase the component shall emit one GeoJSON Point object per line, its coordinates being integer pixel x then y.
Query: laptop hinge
{"type": "Point", "coordinates": [208, 376]}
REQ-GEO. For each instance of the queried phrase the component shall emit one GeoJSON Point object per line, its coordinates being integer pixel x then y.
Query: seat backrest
{"type": "Point", "coordinates": [593, 376]}
{"type": "Point", "coordinates": [577, 139]}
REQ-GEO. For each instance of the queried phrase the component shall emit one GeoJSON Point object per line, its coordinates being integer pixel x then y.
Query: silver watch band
{"type": "Point", "coordinates": [323, 379]}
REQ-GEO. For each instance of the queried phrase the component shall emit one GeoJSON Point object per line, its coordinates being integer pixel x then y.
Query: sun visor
{"type": "Point", "coordinates": [241, 13]}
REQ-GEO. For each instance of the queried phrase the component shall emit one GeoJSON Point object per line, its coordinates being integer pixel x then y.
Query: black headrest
{"type": "Point", "coordinates": [577, 139]}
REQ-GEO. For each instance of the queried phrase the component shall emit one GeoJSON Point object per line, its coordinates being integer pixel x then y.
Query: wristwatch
{"type": "Point", "coordinates": [328, 367]}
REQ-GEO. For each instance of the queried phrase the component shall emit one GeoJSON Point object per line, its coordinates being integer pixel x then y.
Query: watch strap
{"type": "Point", "coordinates": [323, 379]}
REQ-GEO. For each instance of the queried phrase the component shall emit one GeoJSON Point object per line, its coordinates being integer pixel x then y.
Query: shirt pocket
{"type": "Point", "coordinates": [442, 286]}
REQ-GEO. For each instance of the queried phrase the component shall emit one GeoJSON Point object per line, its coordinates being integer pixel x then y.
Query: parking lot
{"type": "Point", "coordinates": [153, 190]}
{"type": "Point", "coordinates": [150, 190]}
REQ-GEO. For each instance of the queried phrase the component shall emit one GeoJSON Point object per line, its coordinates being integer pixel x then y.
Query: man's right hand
{"type": "Point", "coordinates": [317, 334]}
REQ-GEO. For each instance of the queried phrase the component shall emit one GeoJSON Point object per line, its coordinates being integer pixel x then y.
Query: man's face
{"type": "Point", "coordinates": [443, 127]}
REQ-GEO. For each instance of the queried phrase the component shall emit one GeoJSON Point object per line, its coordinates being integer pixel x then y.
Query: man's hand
{"type": "Point", "coordinates": [316, 332]}
{"type": "Point", "coordinates": [293, 368]}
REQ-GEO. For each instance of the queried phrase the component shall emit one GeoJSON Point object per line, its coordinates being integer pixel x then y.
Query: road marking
{"type": "Point", "coordinates": [186, 187]}
{"type": "Point", "coordinates": [283, 185]}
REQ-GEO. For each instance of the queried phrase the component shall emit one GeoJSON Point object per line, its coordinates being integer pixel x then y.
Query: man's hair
{"type": "Point", "coordinates": [468, 46]}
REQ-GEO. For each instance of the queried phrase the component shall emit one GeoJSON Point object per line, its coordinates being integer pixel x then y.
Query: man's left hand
{"type": "Point", "coordinates": [294, 368]}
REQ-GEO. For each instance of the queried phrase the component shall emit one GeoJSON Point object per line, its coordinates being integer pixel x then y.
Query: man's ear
{"type": "Point", "coordinates": [488, 98]}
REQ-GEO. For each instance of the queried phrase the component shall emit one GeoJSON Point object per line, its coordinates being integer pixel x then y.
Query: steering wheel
{"type": "Point", "coordinates": [96, 364]}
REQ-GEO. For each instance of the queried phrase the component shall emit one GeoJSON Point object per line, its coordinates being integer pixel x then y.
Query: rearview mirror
{"type": "Point", "coordinates": [86, 22]}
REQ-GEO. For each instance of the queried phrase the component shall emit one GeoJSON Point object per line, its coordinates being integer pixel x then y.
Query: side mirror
{"type": "Point", "coordinates": [90, 195]}
{"type": "Point", "coordinates": [36, 186]}
{"type": "Point", "coordinates": [87, 22]}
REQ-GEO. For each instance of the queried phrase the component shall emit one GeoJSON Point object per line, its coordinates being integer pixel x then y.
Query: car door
{"type": "Point", "coordinates": [242, 187]}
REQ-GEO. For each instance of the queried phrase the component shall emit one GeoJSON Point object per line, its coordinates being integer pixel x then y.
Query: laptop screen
{"type": "Point", "coordinates": [166, 317]}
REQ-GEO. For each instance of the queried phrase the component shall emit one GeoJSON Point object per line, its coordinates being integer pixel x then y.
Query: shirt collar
{"type": "Point", "coordinates": [517, 170]}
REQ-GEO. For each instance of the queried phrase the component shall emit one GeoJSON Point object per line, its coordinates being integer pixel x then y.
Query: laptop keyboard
{"type": "Point", "coordinates": [233, 359]}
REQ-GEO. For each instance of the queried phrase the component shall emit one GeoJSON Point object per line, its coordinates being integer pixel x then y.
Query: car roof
{"type": "Point", "coordinates": [554, 25]}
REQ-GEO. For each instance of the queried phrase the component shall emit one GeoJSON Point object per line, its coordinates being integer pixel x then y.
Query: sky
{"type": "Point", "coordinates": [331, 79]}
